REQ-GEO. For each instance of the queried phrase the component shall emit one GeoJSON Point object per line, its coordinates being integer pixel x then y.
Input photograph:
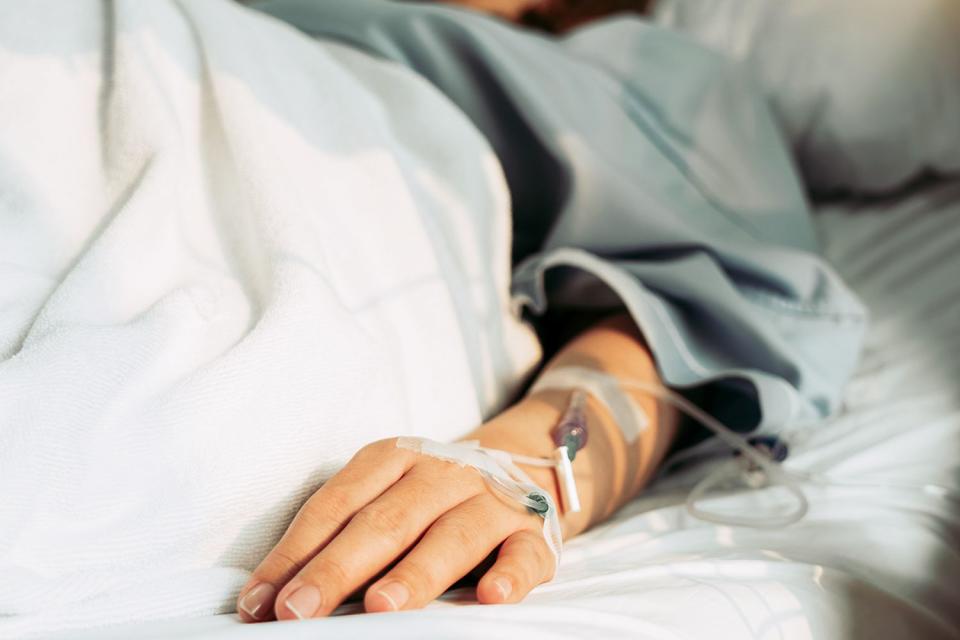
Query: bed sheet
{"type": "Point", "coordinates": [876, 556]}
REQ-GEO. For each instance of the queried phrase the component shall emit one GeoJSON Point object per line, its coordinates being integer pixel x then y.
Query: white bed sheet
{"type": "Point", "coordinates": [868, 561]}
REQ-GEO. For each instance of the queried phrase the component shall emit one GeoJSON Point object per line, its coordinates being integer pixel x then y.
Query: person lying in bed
{"type": "Point", "coordinates": [726, 296]}
{"type": "Point", "coordinates": [434, 521]}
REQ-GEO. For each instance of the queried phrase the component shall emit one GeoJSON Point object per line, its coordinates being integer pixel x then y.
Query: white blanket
{"type": "Point", "coordinates": [218, 237]}
{"type": "Point", "coordinates": [874, 560]}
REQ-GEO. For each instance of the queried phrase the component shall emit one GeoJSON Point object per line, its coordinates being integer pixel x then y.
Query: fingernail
{"type": "Point", "coordinates": [304, 602]}
{"type": "Point", "coordinates": [394, 593]}
{"type": "Point", "coordinates": [503, 586]}
{"type": "Point", "coordinates": [256, 602]}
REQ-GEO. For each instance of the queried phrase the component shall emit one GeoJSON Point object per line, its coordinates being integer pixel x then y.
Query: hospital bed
{"type": "Point", "coordinates": [876, 556]}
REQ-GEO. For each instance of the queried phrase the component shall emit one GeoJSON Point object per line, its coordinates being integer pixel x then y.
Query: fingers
{"type": "Point", "coordinates": [374, 537]}
{"type": "Point", "coordinates": [524, 562]}
{"type": "Point", "coordinates": [373, 469]}
{"type": "Point", "coordinates": [372, 513]}
{"type": "Point", "coordinates": [455, 544]}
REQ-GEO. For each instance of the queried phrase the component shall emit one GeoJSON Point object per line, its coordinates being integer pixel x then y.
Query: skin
{"type": "Point", "coordinates": [554, 16]}
{"type": "Point", "coordinates": [401, 527]}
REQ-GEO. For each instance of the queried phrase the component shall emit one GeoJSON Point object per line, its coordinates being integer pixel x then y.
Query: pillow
{"type": "Point", "coordinates": [867, 91]}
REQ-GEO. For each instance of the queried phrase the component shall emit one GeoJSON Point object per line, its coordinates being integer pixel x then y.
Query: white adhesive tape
{"type": "Point", "coordinates": [629, 416]}
{"type": "Point", "coordinates": [498, 469]}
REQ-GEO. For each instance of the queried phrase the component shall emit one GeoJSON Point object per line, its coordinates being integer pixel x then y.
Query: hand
{"type": "Point", "coordinates": [435, 519]}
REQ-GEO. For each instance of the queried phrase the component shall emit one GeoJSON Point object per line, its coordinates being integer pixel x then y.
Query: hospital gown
{"type": "Point", "coordinates": [646, 174]}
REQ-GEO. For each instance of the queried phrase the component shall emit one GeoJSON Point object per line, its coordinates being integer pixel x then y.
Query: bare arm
{"type": "Point", "coordinates": [609, 471]}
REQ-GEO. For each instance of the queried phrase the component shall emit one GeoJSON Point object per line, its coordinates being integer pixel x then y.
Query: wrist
{"type": "Point", "coordinates": [525, 429]}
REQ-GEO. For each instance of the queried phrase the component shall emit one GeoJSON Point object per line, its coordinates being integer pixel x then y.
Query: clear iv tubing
{"type": "Point", "coordinates": [517, 496]}
{"type": "Point", "coordinates": [772, 470]}
{"type": "Point", "coordinates": [775, 474]}
{"type": "Point", "coordinates": [513, 492]}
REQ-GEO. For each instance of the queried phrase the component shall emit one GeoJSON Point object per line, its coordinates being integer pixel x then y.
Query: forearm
{"type": "Point", "coordinates": [427, 522]}
{"type": "Point", "coordinates": [609, 471]}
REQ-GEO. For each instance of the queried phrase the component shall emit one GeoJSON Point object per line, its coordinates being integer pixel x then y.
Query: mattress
{"type": "Point", "coordinates": [876, 556]}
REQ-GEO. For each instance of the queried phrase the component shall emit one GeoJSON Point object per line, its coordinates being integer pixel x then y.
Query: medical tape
{"type": "Point", "coordinates": [629, 416]}
{"type": "Point", "coordinates": [498, 469]}
{"type": "Point", "coordinates": [756, 467]}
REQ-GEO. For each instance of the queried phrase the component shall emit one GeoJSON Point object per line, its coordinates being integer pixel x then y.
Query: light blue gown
{"type": "Point", "coordinates": [647, 174]}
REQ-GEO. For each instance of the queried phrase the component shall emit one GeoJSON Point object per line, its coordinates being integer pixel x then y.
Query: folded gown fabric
{"type": "Point", "coordinates": [648, 173]}
{"type": "Point", "coordinates": [231, 255]}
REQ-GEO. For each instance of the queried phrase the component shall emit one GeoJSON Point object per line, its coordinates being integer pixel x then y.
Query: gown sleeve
{"type": "Point", "coordinates": [647, 175]}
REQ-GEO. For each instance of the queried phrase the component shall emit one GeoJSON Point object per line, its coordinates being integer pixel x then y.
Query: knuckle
{"type": "Point", "coordinates": [309, 520]}
{"type": "Point", "coordinates": [538, 563]}
{"type": "Point", "coordinates": [338, 504]}
{"type": "Point", "coordinates": [279, 566]}
{"type": "Point", "coordinates": [282, 559]}
{"type": "Point", "coordinates": [459, 485]}
{"type": "Point", "coordinates": [329, 571]}
{"type": "Point", "coordinates": [417, 578]}
{"type": "Point", "coordinates": [461, 534]}
{"type": "Point", "coordinates": [383, 522]}
{"type": "Point", "coordinates": [546, 564]}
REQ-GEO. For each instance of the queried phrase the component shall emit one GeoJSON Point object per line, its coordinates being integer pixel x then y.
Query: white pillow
{"type": "Point", "coordinates": [867, 91]}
